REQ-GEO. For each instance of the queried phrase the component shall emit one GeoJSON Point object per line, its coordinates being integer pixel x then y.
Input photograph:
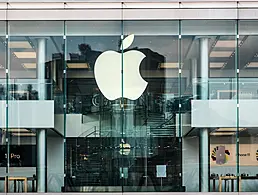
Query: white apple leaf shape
{"type": "Point", "coordinates": [127, 42]}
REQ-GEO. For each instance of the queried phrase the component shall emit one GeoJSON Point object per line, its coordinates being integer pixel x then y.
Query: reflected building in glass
{"type": "Point", "coordinates": [128, 97]}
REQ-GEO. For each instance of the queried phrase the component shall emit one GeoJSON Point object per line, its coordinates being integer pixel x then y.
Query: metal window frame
{"type": "Point", "coordinates": [128, 10]}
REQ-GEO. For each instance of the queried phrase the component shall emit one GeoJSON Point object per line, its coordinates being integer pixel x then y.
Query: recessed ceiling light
{"type": "Point", "coordinates": [19, 44]}
{"type": "Point", "coordinates": [222, 134]}
{"type": "Point", "coordinates": [170, 65]}
{"type": "Point", "coordinates": [216, 64]}
{"type": "Point", "coordinates": [19, 92]}
{"type": "Point", "coordinates": [252, 65]}
{"type": "Point", "coordinates": [23, 134]}
{"type": "Point", "coordinates": [223, 54]}
{"type": "Point", "coordinates": [17, 130]}
{"type": "Point", "coordinates": [29, 65]}
{"type": "Point", "coordinates": [25, 54]}
{"type": "Point", "coordinates": [230, 129]}
{"type": "Point", "coordinates": [226, 43]}
{"type": "Point", "coordinates": [77, 65]}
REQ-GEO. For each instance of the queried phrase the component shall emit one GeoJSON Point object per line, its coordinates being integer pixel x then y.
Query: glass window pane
{"type": "Point", "coordinates": [208, 27]}
{"type": "Point", "coordinates": [154, 163]}
{"type": "Point", "coordinates": [3, 89]}
{"type": "Point", "coordinates": [35, 59]}
{"type": "Point", "coordinates": [93, 122]}
{"type": "Point", "coordinates": [208, 52]}
{"type": "Point", "coordinates": [248, 96]}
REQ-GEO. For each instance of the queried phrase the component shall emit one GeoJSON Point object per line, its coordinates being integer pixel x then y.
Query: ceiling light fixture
{"type": "Point", "coordinates": [170, 65]}
{"type": "Point", "coordinates": [226, 44]}
{"type": "Point", "coordinates": [228, 129]}
{"type": "Point", "coordinates": [29, 65]}
{"type": "Point", "coordinates": [25, 54]}
{"type": "Point", "coordinates": [19, 44]}
{"type": "Point", "coordinates": [216, 64]}
{"type": "Point", "coordinates": [252, 65]}
{"type": "Point", "coordinates": [17, 130]}
{"type": "Point", "coordinates": [223, 54]}
{"type": "Point", "coordinates": [77, 65]}
{"type": "Point", "coordinates": [222, 134]}
{"type": "Point", "coordinates": [24, 134]}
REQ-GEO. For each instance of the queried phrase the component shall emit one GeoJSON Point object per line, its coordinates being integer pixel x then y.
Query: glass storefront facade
{"type": "Point", "coordinates": [128, 106]}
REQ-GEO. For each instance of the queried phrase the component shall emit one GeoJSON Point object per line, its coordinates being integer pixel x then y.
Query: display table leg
{"type": "Point", "coordinates": [220, 184]}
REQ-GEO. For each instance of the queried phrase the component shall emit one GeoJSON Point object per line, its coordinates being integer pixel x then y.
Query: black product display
{"type": "Point", "coordinates": [20, 156]}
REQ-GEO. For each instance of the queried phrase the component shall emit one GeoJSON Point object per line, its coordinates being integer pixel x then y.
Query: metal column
{"type": "Point", "coordinates": [41, 133]}
{"type": "Point", "coordinates": [41, 59]}
{"type": "Point", "coordinates": [41, 160]}
{"type": "Point", "coordinates": [193, 77]}
{"type": "Point", "coordinates": [203, 93]}
{"type": "Point", "coordinates": [204, 68]}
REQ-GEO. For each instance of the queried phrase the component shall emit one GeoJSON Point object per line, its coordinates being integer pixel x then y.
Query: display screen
{"type": "Point", "coordinates": [20, 156]}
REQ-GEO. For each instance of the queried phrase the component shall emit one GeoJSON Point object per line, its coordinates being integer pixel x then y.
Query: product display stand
{"type": "Point", "coordinates": [227, 178]}
{"type": "Point", "coordinates": [24, 179]}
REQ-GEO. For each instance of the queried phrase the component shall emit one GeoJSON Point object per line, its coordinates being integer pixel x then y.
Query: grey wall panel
{"type": "Point", "coordinates": [211, 13]}
{"type": "Point", "coordinates": [137, 9]}
{"type": "Point", "coordinates": [3, 14]}
{"type": "Point", "coordinates": [248, 13]}
{"type": "Point", "coordinates": [223, 113]}
{"type": "Point", "coordinates": [190, 163]}
{"type": "Point", "coordinates": [214, 113]}
{"type": "Point", "coordinates": [61, 14]}
{"type": "Point", "coordinates": [248, 112]}
{"type": "Point", "coordinates": [118, 14]}
{"type": "Point", "coordinates": [28, 114]}
{"type": "Point", "coordinates": [55, 164]}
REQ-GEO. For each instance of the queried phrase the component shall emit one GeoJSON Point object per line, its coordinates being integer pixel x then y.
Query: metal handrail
{"type": "Point", "coordinates": [82, 134]}
{"type": "Point", "coordinates": [94, 132]}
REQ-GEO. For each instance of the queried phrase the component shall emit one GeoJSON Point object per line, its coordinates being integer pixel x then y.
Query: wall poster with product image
{"type": "Point", "coordinates": [225, 155]}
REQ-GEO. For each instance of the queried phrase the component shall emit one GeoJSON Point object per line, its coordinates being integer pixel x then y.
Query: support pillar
{"type": "Point", "coordinates": [193, 76]}
{"type": "Point", "coordinates": [41, 59]}
{"type": "Point", "coordinates": [41, 160]}
{"type": "Point", "coordinates": [204, 140]}
{"type": "Point", "coordinates": [41, 133]}
{"type": "Point", "coordinates": [204, 68]}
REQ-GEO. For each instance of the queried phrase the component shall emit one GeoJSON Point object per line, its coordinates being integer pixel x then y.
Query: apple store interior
{"type": "Point", "coordinates": [129, 106]}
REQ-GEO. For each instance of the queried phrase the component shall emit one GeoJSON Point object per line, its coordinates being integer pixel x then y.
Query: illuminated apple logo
{"type": "Point", "coordinates": [109, 68]}
{"type": "Point", "coordinates": [125, 149]}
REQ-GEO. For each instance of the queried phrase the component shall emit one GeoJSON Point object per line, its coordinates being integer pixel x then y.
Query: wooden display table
{"type": "Point", "coordinates": [232, 178]}
{"type": "Point", "coordinates": [24, 179]}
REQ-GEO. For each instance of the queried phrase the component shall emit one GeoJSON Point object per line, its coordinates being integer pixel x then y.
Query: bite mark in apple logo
{"type": "Point", "coordinates": [108, 72]}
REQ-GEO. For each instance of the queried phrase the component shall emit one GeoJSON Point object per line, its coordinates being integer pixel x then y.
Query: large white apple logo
{"type": "Point", "coordinates": [108, 73]}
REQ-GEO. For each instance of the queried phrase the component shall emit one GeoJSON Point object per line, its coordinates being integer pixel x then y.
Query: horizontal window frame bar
{"type": "Point", "coordinates": [127, 4]}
